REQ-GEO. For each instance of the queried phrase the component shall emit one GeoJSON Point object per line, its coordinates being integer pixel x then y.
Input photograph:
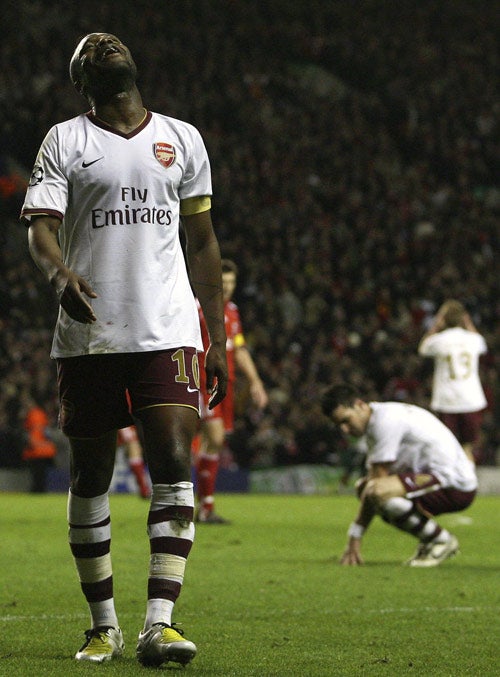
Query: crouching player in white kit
{"type": "Point", "coordinates": [416, 467]}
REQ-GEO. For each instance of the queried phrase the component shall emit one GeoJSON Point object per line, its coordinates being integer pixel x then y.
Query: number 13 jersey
{"type": "Point", "coordinates": [456, 386]}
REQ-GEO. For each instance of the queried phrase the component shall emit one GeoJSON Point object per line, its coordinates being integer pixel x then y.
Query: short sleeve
{"type": "Point", "coordinates": [427, 346]}
{"type": "Point", "coordinates": [197, 179]}
{"type": "Point", "coordinates": [47, 191]}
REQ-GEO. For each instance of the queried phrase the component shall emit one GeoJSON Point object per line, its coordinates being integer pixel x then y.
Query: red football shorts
{"type": "Point", "coordinates": [224, 410]}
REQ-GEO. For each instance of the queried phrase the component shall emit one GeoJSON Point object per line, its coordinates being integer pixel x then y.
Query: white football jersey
{"type": "Point", "coordinates": [413, 440]}
{"type": "Point", "coordinates": [456, 385]}
{"type": "Point", "coordinates": [118, 196]}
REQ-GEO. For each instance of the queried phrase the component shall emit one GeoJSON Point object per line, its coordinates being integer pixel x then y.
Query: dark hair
{"type": "Point", "coordinates": [229, 266]}
{"type": "Point", "coordinates": [338, 395]}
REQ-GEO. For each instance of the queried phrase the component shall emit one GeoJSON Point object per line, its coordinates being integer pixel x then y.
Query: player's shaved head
{"type": "Point", "coordinates": [75, 65]}
{"type": "Point", "coordinates": [89, 68]}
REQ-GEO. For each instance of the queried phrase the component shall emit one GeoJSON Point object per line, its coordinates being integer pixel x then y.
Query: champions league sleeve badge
{"type": "Point", "coordinates": [36, 175]}
{"type": "Point", "coordinates": [164, 153]}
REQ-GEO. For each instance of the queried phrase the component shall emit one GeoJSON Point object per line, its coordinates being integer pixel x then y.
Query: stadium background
{"type": "Point", "coordinates": [353, 149]}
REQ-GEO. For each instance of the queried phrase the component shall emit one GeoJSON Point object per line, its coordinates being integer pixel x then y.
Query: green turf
{"type": "Point", "coordinates": [264, 596]}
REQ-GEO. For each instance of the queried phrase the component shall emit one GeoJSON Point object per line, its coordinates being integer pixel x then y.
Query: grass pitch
{"type": "Point", "coordinates": [264, 596]}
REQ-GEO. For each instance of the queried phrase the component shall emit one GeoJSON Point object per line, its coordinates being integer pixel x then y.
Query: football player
{"type": "Point", "coordinates": [107, 195]}
{"type": "Point", "coordinates": [416, 470]}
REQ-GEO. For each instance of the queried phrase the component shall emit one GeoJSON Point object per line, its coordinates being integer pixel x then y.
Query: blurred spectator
{"type": "Point", "coordinates": [354, 154]}
{"type": "Point", "coordinates": [39, 451]}
{"type": "Point", "coordinates": [11, 443]}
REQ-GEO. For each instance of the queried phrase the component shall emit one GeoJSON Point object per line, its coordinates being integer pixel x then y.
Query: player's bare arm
{"type": "Point", "coordinates": [352, 553]}
{"type": "Point", "coordinates": [246, 364]}
{"type": "Point", "coordinates": [70, 288]}
{"type": "Point", "coordinates": [378, 473]}
{"type": "Point", "coordinates": [203, 256]}
{"type": "Point", "coordinates": [469, 324]}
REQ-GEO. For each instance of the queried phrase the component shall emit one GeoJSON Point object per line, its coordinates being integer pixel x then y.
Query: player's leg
{"type": "Point", "coordinates": [39, 469]}
{"type": "Point", "coordinates": [168, 433]}
{"type": "Point", "coordinates": [92, 462]}
{"type": "Point", "coordinates": [129, 438]}
{"type": "Point", "coordinates": [93, 407]}
{"type": "Point", "coordinates": [164, 393]}
{"type": "Point", "coordinates": [471, 428]}
{"type": "Point", "coordinates": [213, 435]}
{"type": "Point", "coordinates": [395, 498]}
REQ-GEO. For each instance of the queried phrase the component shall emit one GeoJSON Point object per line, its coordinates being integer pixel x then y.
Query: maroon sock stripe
{"type": "Point", "coordinates": [104, 522]}
{"type": "Point", "coordinates": [171, 512]}
{"type": "Point", "coordinates": [416, 530]}
{"type": "Point", "coordinates": [88, 550]}
{"type": "Point", "coordinates": [402, 521]}
{"type": "Point", "coordinates": [98, 592]}
{"type": "Point", "coordinates": [161, 588]}
{"type": "Point", "coordinates": [171, 545]}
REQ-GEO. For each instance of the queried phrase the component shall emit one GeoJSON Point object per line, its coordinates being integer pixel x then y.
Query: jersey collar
{"type": "Point", "coordinates": [103, 125]}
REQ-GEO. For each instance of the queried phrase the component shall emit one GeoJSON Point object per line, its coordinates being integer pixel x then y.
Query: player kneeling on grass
{"type": "Point", "coordinates": [416, 469]}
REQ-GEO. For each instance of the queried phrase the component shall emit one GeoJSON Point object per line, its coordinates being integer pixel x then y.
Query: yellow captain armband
{"type": "Point", "coordinates": [239, 340]}
{"type": "Point", "coordinates": [195, 205]}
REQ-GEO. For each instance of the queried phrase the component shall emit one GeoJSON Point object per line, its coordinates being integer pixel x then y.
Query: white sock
{"type": "Point", "coordinates": [158, 611]}
{"type": "Point", "coordinates": [89, 537]}
{"type": "Point", "coordinates": [443, 537]}
{"type": "Point", "coordinates": [171, 531]}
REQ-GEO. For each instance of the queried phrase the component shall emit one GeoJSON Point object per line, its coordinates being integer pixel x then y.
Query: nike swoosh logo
{"type": "Point", "coordinates": [192, 390]}
{"type": "Point", "coordinates": [87, 164]}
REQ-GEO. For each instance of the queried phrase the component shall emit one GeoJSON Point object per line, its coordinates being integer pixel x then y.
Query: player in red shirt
{"type": "Point", "coordinates": [216, 423]}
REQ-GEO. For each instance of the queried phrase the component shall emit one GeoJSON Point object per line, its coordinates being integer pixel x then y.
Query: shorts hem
{"type": "Point", "coordinates": [166, 404]}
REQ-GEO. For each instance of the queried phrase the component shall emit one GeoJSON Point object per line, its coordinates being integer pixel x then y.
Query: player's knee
{"type": "Point", "coordinates": [371, 488]}
{"type": "Point", "coordinates": [396, 509]}
{"type": "Point", "coordinates": [375, 492]}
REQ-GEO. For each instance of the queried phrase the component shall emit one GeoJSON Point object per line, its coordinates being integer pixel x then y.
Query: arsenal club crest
{"type": "Point", "coordinates": [164, 153]}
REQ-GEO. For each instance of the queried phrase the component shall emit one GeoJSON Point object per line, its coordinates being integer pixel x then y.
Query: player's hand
{"type": "Point", "coordinates": [71, 290]}
{"type": "Point", "coordinates": [216, 374]}
{"type": "Point", "coordinates": [352, 553]}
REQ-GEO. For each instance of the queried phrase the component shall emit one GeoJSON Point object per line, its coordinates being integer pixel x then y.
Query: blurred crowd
{"type": "Point", "coordinates": [353, 149]}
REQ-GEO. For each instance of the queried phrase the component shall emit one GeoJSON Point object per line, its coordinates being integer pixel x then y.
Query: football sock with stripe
{"type": "Point", "coordinates": [90, 541]}
{"type": "Point", "coordinates": [402, 513]}
{"type": "Point", "coordinates": [171, 535]}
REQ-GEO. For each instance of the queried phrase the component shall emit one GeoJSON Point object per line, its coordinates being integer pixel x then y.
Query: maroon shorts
{"type": "Point", "coordinates": [426, 491]}
{"type": "Point", "coordinates": [466, 427]}
{"type": "Point", "coordinates": [98, 393]}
